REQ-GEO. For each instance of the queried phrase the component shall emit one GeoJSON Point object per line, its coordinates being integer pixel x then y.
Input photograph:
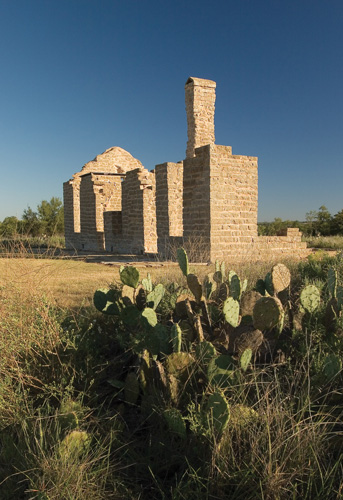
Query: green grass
{"type": "Point", "coordinates": [325, 242]}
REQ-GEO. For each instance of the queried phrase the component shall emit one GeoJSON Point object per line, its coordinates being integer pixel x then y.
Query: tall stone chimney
{"type": "Point", "coordinates": [200, 100]}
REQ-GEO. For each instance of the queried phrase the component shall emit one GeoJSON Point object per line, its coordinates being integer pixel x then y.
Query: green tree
{"type": "Point", "coordinates": [31, 223]}
{"type": "Point", "coordinates": [337, 223]}
{"type": "Point", "coordinates": [9, 226]}
{"type": "Point", "coordinates": [311, 218]}
{"type": "Point", "coordinates": [323, 221]}
{"type": "Point", "coordinates": [51, 216]}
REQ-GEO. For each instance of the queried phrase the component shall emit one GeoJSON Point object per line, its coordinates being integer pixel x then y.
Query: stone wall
{"type": "Point", "coordinates": [98, 193]}
{"type": "Point", "coordinates": [138, 234]}
{"type": "Point", "coordinates": [200, 101]}
{"type": "Point", "coordinates": [196, 201]}
{"type": "Point", "coordinates": [71, 196]}
{"type": "Point", "coordinates": [233, 211]}
{"type": "Point", "coordinates": [169, 204]}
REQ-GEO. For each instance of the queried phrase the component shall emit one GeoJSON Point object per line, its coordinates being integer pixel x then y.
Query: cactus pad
{"type": "Point", "coordinates": [332, 367]}
{"type": "Point", "coordinates": [149, 317]}
{"type": "Point", "coordinates": [130, 315]}
{"type": "Point", "coordinates": [204, 352]}
{"type": "Point", "coordinates": [310, 298]}
{"type": "Point", "coordinates": [231, 311]}
{"type": "Point", "coordinates": [156, 295]}
{"type": "Point", "coordinates": [268, 283]}
{"type": "Point", "coordinates": [248, 302]}
{"type": "Point", "coordinates": [267, 313]}
{"type": "Point", "coordinates": [220, 371]}
{"type": "Point", "coordinates": [129, 276]}
{"type": "Point", "coordinates": [194, 286]}
{"type": "Point", "coordinates": [179, 365]}
{"type": "Point", "coordinates": [128, 295]}
{"type": "Point", "coordinates": [74, 445]}
{"type": "Point", "coordinates": [147, 283]}
{"type": "Point", "coordinates": [104, 301]}
{"type": "Point", "coordinates": [245, 359]}
{"type": "Point", "coordinates": [175, 422]}
{"type": "Point", "coordinates": [176, 337]}
{"type": "Point", "coordinates": [260, 286]}
{"type": "Point", "coordinates": [281, 278]}
{"type": "Point", "coordinates": [235, 287]}
{"type": "Point", "coordinates": [183, 261]}
{"type": "Point", "coordinates": [218, 411]}
{"type": "Point", "coordinates": [332, 281]}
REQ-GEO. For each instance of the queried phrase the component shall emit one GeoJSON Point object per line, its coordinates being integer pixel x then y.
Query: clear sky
{"type": "Point", "coordinates": [80, 76]}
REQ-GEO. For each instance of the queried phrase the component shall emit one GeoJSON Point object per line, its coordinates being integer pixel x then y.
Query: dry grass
{"type": "Point", "coordinates": [71, 283]}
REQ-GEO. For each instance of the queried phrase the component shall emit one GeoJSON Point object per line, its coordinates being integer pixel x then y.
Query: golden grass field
{"type": "Point", "coordinates": [71, 283]}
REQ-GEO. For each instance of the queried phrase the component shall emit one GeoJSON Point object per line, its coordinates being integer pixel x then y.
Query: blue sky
{"type": "Point", "coordinates": [80, 76]}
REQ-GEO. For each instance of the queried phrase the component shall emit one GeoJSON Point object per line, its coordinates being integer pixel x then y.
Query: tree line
{"type": "Point", "coordinates": [47, 219]}
{"type": "Point", "coordinates": [318, 223]}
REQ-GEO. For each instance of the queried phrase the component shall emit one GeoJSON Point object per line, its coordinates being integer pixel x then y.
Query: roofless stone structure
{"type": "Point", "coordinates": [208, 200]}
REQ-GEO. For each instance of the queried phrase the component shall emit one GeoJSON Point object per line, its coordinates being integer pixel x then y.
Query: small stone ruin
{"type": "Point", "coordinates": [207, 202]}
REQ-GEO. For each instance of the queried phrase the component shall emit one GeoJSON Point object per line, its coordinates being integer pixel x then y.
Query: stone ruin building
{"type": "Point", "coordinates": [209, 199]}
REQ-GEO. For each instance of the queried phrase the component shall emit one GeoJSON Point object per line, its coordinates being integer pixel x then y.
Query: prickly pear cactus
{"type": "Point", "coordinates": [183, 261]}
{"type": "Point", "coordinates": [204, 352]}
{"type": "Point", "coordinates": [130, 315]}
{"type": "Point", "coordinates": [245, 359]}
{"type": "Point", "coordinates": [332, 366]}
{"type": "Point", "coordinates": [248, 302]}
{"type": "Point", "coordinates": [176, 337]}
{"type": "Point", "coordinates": [281, 278]}
{"type": "Point", "coordinates": [218, 411]}
{"type": "Point", "coordinates": [332, 313]}
{"type": "Point", "coordinates": [68, 416]}
{"type": "Point", "coordinates": [235, 287]}
{"type": "Point", "coordinates": [128, 295]}
{"type": "Point", "coordinates": [231, 311]}
{"type": "Point", "coordinates": [310, 298]}
{"type": "Point", "coordinates": [175, 422]}
{"type": "Point", "coordinates": [147, 283]}
{"type": "Point", "coordinates": [155, 296]}
{"type": "Point", "coordinates": [332, 282]}
{"type": "Point", "coordinates": [220, 371]}
{"type": "Point", "coordinates": [180, 365]}
{"type": "Point", "coordinates": [148, 317]}
{"type": "Point", "coordinates": [218, 277]}
{"type": "Point", "coordinates": [268, 283]}
{"type": "Point", "coordinates": [74, 445]}
{"type": "Point", "coordinates": [105, 301]}
{"type": "Point", "coordinates": [242, 416]}
{"type": "Point", "coordinates": [209, 285]}
{"type": "Point", "coordinates": [267, 313]}
{"type": "Point", "coordinates": [222, 292]}
{"type": "Point", "coordinates": [194, 286]}
{"type": "Point", "coordinates": [129, 276]}
{"type": "Point", "coordinates": [260, 286]}
{"type": "Point", "coordinates": [140, 297]}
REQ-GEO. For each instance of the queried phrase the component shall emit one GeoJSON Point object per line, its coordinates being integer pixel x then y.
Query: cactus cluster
{"type": "Point", "coordinates": [211, 338]}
